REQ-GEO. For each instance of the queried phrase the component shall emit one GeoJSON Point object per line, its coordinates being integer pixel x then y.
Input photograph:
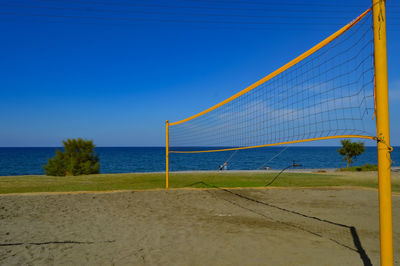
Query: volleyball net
{"type": "Point", "coordinates": [337, 89]}
{"type": "Point", "coordinates": [327, 92]}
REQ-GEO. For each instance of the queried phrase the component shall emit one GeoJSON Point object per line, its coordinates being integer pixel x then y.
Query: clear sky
{"type": "Point", "coordinates": [114, 71]}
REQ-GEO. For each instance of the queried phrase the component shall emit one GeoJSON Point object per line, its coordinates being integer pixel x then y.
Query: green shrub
{"type": "Point", "coordinates": [78, 158]}
{"type": "Point", "coordinates": [365, 167]}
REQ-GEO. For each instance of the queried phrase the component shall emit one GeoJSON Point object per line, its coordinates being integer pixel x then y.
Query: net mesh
{"type": "Point", "coordinates": [329, 93]}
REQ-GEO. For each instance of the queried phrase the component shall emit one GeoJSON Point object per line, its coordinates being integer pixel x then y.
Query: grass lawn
{"type": "Point", "coordinates": [139, 181]}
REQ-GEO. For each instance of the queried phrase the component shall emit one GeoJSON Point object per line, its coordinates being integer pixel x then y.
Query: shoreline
{"type": "Point", "coordinates": [306, 170]}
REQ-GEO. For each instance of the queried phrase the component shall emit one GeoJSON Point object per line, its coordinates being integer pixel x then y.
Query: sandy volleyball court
{"type": "Point", "coordinates": [194, 227]}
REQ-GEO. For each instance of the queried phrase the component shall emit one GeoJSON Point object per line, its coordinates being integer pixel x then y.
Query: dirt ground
{"type": "Point", "coordinates": [195, 227]}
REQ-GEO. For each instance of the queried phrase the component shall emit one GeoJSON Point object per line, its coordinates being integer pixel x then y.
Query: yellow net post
{"type": "Point", "coordinates": [166, 153]}
{"type": "Point", "coordinates": [382, 131]}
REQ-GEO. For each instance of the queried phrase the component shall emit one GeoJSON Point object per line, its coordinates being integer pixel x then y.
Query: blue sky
{"type": "Point", "coordinates": [114, 71]}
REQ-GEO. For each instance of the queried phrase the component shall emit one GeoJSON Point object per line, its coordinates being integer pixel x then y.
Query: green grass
{"type": "Point", "coordinates": [138, 181]}
{"type": "Point", "coordinates": [365, 167]}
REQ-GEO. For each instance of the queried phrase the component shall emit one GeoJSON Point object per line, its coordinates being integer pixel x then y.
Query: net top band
{"type": "Point", "coordinates": [279, 70]}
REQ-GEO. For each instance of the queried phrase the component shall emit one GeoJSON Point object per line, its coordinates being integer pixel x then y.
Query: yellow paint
{"type": "Point", "coordinates": [166, 154]}
{"type": "Point", "coordinates": [279, 70]}
{"type": "Point", "coordinates": [382, 132]}
{"type": "Point", "coordinates": [282, 143]}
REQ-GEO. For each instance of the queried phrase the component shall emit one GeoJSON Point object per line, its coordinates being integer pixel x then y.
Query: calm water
{"type": "Point", "coordinates": [24, 161]}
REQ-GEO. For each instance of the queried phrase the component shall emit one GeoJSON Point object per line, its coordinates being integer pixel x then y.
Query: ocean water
{"type": "Point", "coordinates": [29, 161]}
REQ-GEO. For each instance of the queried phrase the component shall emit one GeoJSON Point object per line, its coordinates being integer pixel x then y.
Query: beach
{"type": "Point", "coordinates": [260, 226]}
{"type": "Point", "coordinates": [157, 133]}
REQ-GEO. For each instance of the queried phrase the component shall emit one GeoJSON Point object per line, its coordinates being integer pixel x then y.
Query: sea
{"type": "Point", "coordinates": [30, 161]}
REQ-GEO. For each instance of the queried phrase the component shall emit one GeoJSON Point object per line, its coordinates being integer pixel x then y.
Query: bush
{"type": "Point", "coordinates": [365, 167]}
{"type": "Point", "coordinates": [78, 158]}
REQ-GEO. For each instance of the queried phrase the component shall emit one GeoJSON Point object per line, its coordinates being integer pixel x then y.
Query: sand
{"type": "Point", "coordinates": [194, 227]}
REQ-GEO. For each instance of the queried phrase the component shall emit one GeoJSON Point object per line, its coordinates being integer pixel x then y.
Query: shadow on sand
{"type": "Point", "coordinates": [351, 229]}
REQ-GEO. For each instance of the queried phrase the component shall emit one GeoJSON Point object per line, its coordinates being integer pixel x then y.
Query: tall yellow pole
{"type": "Point", "coordinates": [166, 153]}
{"type": "Point", "coordinates": [382, 130]}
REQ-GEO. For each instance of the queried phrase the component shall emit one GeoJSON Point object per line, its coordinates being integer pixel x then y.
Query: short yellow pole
{"type": "Point", "coordinates": [166, 154]}
{"type": "Point", "coordinates": [382, 130]}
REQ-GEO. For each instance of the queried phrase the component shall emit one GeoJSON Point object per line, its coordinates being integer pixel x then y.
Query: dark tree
{"type": "Point", "coordinates": [350, 150]}
{"type": "Point", "coordinates": [78, 158]}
